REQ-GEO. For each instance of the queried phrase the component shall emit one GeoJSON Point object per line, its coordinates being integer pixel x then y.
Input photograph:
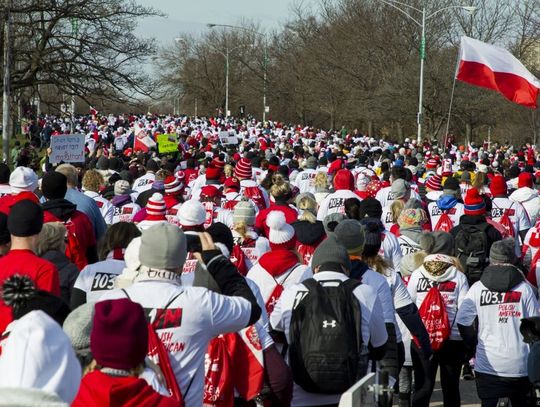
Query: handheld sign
{"type": "Point", "coordinates": [167, 143]}
{"type": "Point", "coordinates": [228, 138]}
{"type": "Point", "coordinates": [68, 148]}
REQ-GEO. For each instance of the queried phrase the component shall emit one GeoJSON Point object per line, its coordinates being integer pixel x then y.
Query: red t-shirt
{"type": "Point", "coordinates": [25, 262]}
{"type": "Point", "coordinates": [260, 221]}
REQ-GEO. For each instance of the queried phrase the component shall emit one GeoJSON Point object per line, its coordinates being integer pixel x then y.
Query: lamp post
{"type": "Point", "coordinates": [6, 98]}
{"type": "Point", "coordinates": [422, 24]}
{"type": "Point", "coordinates": [265, 58]}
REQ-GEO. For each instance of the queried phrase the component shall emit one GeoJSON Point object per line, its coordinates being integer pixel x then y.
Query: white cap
{"type": "Point", "coordinates": [23, 179]}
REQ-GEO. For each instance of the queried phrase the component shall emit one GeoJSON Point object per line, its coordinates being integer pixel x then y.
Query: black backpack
{"type": "Point", "coordinates": [326, 352]}
{"type": "Point", "coordinates": [472, 249]}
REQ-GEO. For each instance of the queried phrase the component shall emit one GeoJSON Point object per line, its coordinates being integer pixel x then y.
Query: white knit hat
{"type": "Point", "coordinates": [281, 234]}
{"type": "Point", "coordinates": [192, 213]}
{"type": "Point", "coordinates": [156, 205]}
{"type": "Point", "coordinates": [244, 211]}
{"type": "Point", "coordinates": [23, 179]}
{"type": "Point", "coordinates": [362, 182]}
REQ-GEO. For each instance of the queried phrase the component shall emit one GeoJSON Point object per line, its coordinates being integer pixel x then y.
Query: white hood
{"type": "Point", "coordinates": [37, 354]}
{"type": "Point", "coordinates": [523, 194]}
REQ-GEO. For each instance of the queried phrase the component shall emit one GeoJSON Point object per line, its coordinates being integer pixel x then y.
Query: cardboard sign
{"type": "Point", "coordinates": [68, 148]}
{"type": "Point", "coordinates": [167, 143]}
{"type": "Point", "coordinates": [228, 138]}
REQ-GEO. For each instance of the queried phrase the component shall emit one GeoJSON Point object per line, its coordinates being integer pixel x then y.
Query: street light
{"type": "Point", "coordinates": [265, 57]}
{"type": "Point", "coordinates": [422, 25]}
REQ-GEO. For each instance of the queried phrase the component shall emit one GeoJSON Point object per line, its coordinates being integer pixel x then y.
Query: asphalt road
{"type": "Point", "coordinates": [467, 390]}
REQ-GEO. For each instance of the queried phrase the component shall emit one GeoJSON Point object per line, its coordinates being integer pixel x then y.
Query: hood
{"type": "Point", "coordinates": [309, 233]}
{"type": "Point", "coordinates": [100, 389]}
{"type": "Point", "coordinates": [472, 219]}
{"type": "Point", "coordinates": [412, 233]}
{"type": "Point", "coordinates": [56, 257]}
{"type": "Point", "coordinates": [38, 354]}
{"type": "Point", "coordinates": [344, 180]}
{"type": "Point", "coordinates": [278, 261]}
{"type": "Point", "coordinates": [446, 202]}
{"type": "Point", "coordinates": [501, 278]}
{"type": "Point", "coordinates": [358, 268]}
{"type": "Point", "coordinates": [438, 267]}
{"type": "Point", "coordinates": [523, 194]}
{"type": "Point", "coordinates": [60, 208]}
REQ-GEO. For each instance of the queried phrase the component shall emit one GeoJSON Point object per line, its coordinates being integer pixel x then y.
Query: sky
{"type": "Point", "coordinates": [191, 16]}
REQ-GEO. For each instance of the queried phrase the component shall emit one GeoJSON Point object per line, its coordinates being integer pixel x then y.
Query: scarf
{"type": "Point", "coordinates": [437, 264]}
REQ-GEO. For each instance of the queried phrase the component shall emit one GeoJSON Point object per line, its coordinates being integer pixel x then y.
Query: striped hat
{"type": "Point", "coordinates": [434, 183]}
{"type": "Point", "coordinates": [474, 203]}
{"type": "Point", "coordinates": [243, 169]}
{"type": "Point", "coordinates": [172, 185]}
{"type": "Point", "coordinates": [156, 206]}
{"type": "Point", "coordinates": [432, 163]}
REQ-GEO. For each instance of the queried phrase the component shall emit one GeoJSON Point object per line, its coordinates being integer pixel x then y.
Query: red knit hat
{"type": "Point", "coordinates": [210, 191]}
{"type": "Point", "coordinates": [243, 169]}
{"type": "Point", "coordinates": [172, 184]}
{"type": "Point", "coordinates": [498, 186]}
{"type": "Point", "coordinates": [213, 173]}
{"type": "Point", "coordinates": [218, 163]}
{"type": "Point", "coordinates": [344, 180]}
{"type": "Point", "coordinates": [525, 179]}
{"type": "Point", "coordinates": [155, 207]}
{"type": "Point", "coordinates": [434, 183]}
{"type": "Point", "coordinates": [233, 183]}
{"type": "Point", "coordinates": [119, 337]}
{"type": "Point", "coordinates": [373, 187]}
{"type": "Point", "coordinates": [431, 164]}
{"type": "Point", "coordinates": [474, 203]}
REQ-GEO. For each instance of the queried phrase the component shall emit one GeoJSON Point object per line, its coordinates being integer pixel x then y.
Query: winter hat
{"type": "Point", "coordinates": [210, 191]}
{"type": "Point", "coordinates": [4, 232]}
{"type": "Point", "coordinates": [498, 186]}
{"type": "Point", "coordinates": [38, 355]}
{"type": "Point", "coordinates": [474, 203]}
{"type": "Point", "coordinates": [451, 186]}
{"type": "Point", "coordinates": [411, 262]}
{"type": "Point", "coordinates": [331, 221]}
{"type": "Point", "coordinates": [373, 187]}
{"type": "Point", "coordinates": [412, 218]}
{"type": "Point", "coordinates": [23, 179]}
{"type": "Point", "coordinates": [172, 184]}
{"type": "Point", "coordinates": [311, 163]}
{"type": "Point", "coordinates": [242, 170]}
{"type": "Point", "coordinates": [344, 180]}
{"type": "Point", "coordinates": [351, 234]}
{"type": "Point", "coordinates": [525, 179]}
{"type": "Point", "coordinates": [400, 188]}
{"type": "Point", "coordinates": [244, 211]}
{"type": "Point", "coordinates": [434, 183]}
{"type": "Point", "coordinates": [152, 165]}
{"type": "Point", "coordinates": [25, 219]}
{"type": "Point", "coordinates": [362, 182]}
{"type": "Point", "coordinates": [121, 187]}
{"type": "Point", "coordinates": [281, 235]}
{"type": "Point", "coordinates": [431, 164]}
{"type": "Point", "coordinates": [54, 185]}
{"type": "Point", "coordinates": [232, 183]}
{"type": "Point", "coordinates": [192, 213]}
{"type": "Point", "coordinates": [465, 176]}
{"type": "Point", "coordinates": [119, 337]}
{"type": "Point", "coordinates": [503, 252]}
{"type": "Point", "coordinates": [331, 255]}
{"type": "Point", "coordinates": [163, 247]}
{"type": "Point", "coordinates": [213, 173]}
{"type": "Point", "coordinates": [133, 265]}
{"type": "Point", "coordinates": [21, 295]}
{"type": "Point", "coordinates": [78, 326]}
{"type": "Point", "coordinates": [221, 234]}
{"type": "Point", "coordinates": [437, 242]}
{"type": "Point", "coordinates": [103, 163]}
{"type": "Point", "coordinates": [370, 208]}
{"type": "Point", "coordinates": [155, 207]}
{"type": "Point", "coordinates": [373, 237]}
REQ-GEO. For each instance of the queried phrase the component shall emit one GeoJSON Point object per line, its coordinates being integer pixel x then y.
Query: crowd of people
{"type": "Point", "coordinates": [264, 264]}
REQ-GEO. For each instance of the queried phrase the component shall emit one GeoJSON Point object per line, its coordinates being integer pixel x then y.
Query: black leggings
{"type": "Point", "coordinates": [450, 360]}
{"type": "Point", "coordinates": [490, 388]}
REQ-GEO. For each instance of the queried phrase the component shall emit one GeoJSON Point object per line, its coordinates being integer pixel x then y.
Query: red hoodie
{"type": "Point", "coordinates": [99, 389]}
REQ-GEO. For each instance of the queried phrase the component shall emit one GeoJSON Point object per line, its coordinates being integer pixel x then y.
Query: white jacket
{"type": "Point", "coordinates": [530, 200]}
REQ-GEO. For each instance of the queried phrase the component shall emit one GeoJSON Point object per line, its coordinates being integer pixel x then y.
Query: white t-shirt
{"type": "Point", "coordinates": [193, 319]}
{"type": "Point", "coordinates": [105, 207]}
{"type": "Point", "coordinates": [453, 291]}
{"type": "Point", "coordinates": [400, 298]}
{"type": "Point", "coordinates": [144, 183]}
{"type": "Point", "coordinates": [391, 250]}
{"type": "Point", "coordinates": [516, 213]}
{"type": "Point", "coordinates": [305, 180]}
{"type": "Point", "coordinates": [386, 197]}
{"type": "Point", "coordinates": [454, 213]}
{"type": "Point", "coordinates": [125, 213]}
{"type": "Point", "coordinates": [334, 203]}
{"type": "Point", "coordinates": [98, 278]}
{"type": "Point", "coordinates": [407, 245]}
{"type": "Point", "coordinates": [380, 285]}
{"type": "Point", "coordinates": [500, 350]}
{"type": "Point", "coordinates": [373, 328]}
{"type": "Point", "coordinates": [386, 217]}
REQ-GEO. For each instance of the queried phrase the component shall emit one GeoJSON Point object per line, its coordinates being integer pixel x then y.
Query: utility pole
{"type": "Point", "coordinates": [6, 97]}
{"type": "Point", "coordinates": [74, 32]}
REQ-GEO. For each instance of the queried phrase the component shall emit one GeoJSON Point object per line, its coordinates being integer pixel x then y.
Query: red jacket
{"type": "Point", "coordinates": [24, 262]}
{"type": "Point", "coordinates": [99, 389]}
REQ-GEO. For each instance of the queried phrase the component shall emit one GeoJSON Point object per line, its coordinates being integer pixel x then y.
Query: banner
{"type": "Point", "coordinates": [228, 138]}
{"type": "Point", "coordinates": [68, 148]}
{"type": "Point", "coordinates": [167, 143]}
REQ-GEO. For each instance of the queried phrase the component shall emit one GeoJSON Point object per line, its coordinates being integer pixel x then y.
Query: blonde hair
{"type": "Point", "coordinates": [52, 237]}
{"type": "Point", "coordinates": [228, 170]}
{"type": "Point", "coordinates": [241, 228]}
{"type": "Point", "coordinates": [396, 208]}
{"type": "Point", "coordinates": [321, 180]}
{"type": "Point", "coordinates": [280, 188]}
{"type": "Point", "coordinates": [70, 172]}
{"type": "Point", "coordinates": [378, 263]}
{"type": "Point", "coordinates": [479, 181]}
{"type": "Point", "coordinates": [92, 181]}
{"type": "Point", "coordinates": [308, 206]}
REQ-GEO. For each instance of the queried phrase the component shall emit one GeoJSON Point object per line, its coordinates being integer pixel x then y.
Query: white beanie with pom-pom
{"type": "Point", "coordinates": [281, 235]}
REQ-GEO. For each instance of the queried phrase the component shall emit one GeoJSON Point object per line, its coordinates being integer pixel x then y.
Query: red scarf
{"type": "Point", "coordinates": [278, 261]}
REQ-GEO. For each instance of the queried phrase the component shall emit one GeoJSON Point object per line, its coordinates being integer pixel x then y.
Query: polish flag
{"type": "Point", "coordinates": [492, 67]}
{"type": "Point", "coordinates": [143, 142]}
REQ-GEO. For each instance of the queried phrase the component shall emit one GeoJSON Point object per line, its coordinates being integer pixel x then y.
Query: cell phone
{"type": "Point", "coordinates": [193, 243]}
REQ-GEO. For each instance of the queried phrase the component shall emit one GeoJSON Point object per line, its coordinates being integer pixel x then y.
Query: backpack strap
{"type": "Point", "coordinates": [288, 275]}
{"type": "Point", "coordinates": [349, 286]}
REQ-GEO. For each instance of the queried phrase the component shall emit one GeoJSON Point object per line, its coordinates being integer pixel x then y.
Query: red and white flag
{"type": "Point", "coordinates": [143, 142]}
{"type": "Point", "coordinates": [495, 68]}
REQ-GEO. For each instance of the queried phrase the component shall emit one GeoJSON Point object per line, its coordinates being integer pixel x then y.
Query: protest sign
{"type": "Point", "coordinates": [228, 138]}
{"type": "Point", "coordinates": [167, 143]}
{"type": "Point", "coordinates": [68, 148]}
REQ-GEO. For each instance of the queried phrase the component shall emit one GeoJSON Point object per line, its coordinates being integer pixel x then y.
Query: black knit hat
{"type": "Point", "coordinates": [20, 293]}
{"type": "Point", "coordinates": [221, 234]}
{"type": "Point", "coordinates": [5, 237]}
{"type": "Point", "coordinates": [54, 185]}
{"type": "Point", "coordinates": [370, 208]}
{"type": "Point", "coordinates": [25, 219]}
{"type": "Point", "coordinates": [373, 237]}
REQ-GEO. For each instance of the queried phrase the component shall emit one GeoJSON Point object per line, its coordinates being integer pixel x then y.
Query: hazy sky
{"type": "Point", "coordinates": [193, 15]}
